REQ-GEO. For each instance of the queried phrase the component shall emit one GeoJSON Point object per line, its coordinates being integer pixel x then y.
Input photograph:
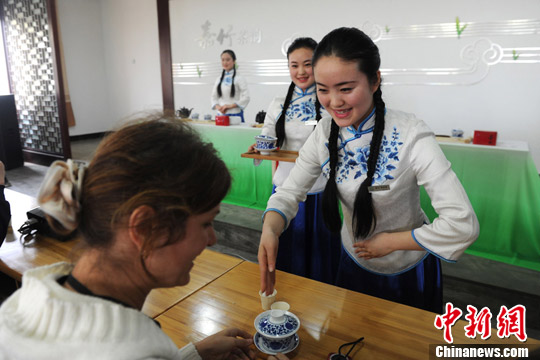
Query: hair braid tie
{"type": "Point", "coordinates": [60, 193]}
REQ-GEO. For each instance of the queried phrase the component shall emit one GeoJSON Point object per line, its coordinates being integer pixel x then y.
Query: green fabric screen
{"type": "Point", "coordinates": [504, 189]}
{"type": "Point", "coordinates": [252, 185]}
{"type": "Point", "coordinates": [503, 186]}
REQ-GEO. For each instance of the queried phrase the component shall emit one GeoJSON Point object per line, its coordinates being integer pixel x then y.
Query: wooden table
{"type": "Point", "coordinates": [15, 258]}
{"type": "Point", "coordinates": [330, 316]}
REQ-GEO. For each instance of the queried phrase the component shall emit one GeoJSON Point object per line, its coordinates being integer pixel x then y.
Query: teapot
{"type": "Point", "coordinates": [183, 112]}
{"type": "Point", "coordinates": [259, 118]}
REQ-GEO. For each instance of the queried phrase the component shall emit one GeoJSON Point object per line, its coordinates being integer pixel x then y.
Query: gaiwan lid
{"type": "Point", "coordinates": [277, 324]}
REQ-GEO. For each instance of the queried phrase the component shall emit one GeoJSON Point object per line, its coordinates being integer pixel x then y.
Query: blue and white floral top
{"type": "Point", "coordinates": [241, 93]}
{"type": "Point", "coordinates": [409, 157]}
{"type": "Point", "coordinates": [300, 110]}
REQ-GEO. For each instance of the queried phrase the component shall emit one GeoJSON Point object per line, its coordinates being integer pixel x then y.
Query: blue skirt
{"type": "Point", "coordinates": [307, 248]}
{"type": "Point", "coordinates": [420, 286]}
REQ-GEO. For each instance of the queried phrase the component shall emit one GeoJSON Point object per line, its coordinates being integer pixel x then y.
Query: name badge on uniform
{"type": "Point", "coordinates": [310, 122]}
{"type": "Point", "coordinates": [376, 188]}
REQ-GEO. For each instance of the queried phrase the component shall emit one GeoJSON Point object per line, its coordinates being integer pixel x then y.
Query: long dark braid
{"type": "Point", "coordinates": [299, 43]}
{"type": "Point", "coordinates": [330, 203]}
{"type": "Point", "coordinates": [351, 44]}
{"type": "Point", "coordinates": [233, 55]}
{"type": "Point", "coordinates": [232, 85]}
{"type": "Point", "coordinates": [280, 123]}
{"type": "Point", "coordinates": [363, 202]}
{"type": "Point", "coordinates": [220, 81]}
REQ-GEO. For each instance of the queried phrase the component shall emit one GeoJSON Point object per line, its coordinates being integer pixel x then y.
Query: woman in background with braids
{"type": "Point", "coordinates": [375, 159]}
{"type": "Point", "coordinates": [230, 95]}
{"type": "Point", "coordinates": [307, 248]}
{"type": "Point", "coordinates": [143, 220]}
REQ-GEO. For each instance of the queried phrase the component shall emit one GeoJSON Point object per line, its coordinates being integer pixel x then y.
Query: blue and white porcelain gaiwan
{"type": "Point", "coordinates": [265, 144]}
{"type": "Point", "coordinates": [276, 332]}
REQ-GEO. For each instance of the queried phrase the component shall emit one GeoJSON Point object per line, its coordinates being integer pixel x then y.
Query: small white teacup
{"type": "Point", "coordinates": [267, 300]}
{"type": "Point", "coordinates": [280, 305]}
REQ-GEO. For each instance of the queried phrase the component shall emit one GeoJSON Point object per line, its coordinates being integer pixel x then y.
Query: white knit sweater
{"type": "Point", "coordinates": [410, 156]}
{"type": "Point", "coordinates": [44, 320]}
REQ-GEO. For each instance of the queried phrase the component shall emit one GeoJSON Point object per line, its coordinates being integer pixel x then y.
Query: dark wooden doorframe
{"type": "Point", "coordinates": [32, 155]}
{"type": "Point", "coordinates": [165, 55]}
{"type": "Point", "coordinates": [59, 78]}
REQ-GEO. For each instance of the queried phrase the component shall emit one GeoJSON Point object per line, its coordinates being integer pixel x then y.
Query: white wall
{"type": "Point", "coordinates": [132, 62]}
{"type": "Point", "coordinates": [82, 38]}
{"type": "Point", "coordinates": [502, 97]}
{"type": "Point", "coordinates": [111, 51]}
{"type": "Point", "coordinates": [112, 55]}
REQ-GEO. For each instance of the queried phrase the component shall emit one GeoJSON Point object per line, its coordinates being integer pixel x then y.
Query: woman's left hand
{"type": "Point", "coordinates": [375, 247]}
{"type": "Point", "coordinates": [384, 243]}
{"type": "Point", "coordinates": [226, 344]}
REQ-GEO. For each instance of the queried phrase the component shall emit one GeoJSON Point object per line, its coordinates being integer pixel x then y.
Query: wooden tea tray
{"type": "Point", "coordinates": [278, 155]}
{"type": "Point", "coordinates": [449, 139]}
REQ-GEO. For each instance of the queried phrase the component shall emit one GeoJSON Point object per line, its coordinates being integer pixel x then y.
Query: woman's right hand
{"type": "Point", "coordinates": [226, 344]}
{"type": "Point", "coordinates": [268, 249]}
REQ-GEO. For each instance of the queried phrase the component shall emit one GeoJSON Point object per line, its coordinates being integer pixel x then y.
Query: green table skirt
{"type": "Point", "coordinates": [252, 185]}
{"type": "Point", "coordinates": [503, 186]}
{"type": "Point", "coordinates": [504, 189]}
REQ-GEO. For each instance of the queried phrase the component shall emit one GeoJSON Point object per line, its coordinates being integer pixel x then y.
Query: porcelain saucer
{"type": "Point", "coordinates": [272, 347]}
{"type": "Point", "coordinates": [266, 151]}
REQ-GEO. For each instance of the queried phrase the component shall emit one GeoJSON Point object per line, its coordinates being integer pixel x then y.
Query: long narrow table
{"type": "Point", "coordinates": [329, 316]}
{"type": "Point", "coordinates": [15, 259]}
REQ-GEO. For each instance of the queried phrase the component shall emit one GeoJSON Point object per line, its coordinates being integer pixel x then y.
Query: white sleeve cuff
{"type": "Point", "coordinates": [189, 352]}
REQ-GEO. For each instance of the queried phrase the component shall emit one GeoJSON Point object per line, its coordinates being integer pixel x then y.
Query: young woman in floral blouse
{"type": "Point", "coordinates": [375, 160]}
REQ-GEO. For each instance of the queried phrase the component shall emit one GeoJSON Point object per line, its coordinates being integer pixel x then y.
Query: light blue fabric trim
{"type": "Point", "coordinates": [429, 251]}
{"type": "Point", "coordinates": [360, 130]}
{"type": "Point", "coordinates": [279, 212]}
{"type": "Point", "coordinates": [324, 163]}
{"type": "Point", "coordinates": [300, 96]}
{"type": "Point", "coordinates": [355, 137]}
{"type": "Point", "coordinates": [310, 90]}
{"type": "Point", "coordinates": [377, 273]}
